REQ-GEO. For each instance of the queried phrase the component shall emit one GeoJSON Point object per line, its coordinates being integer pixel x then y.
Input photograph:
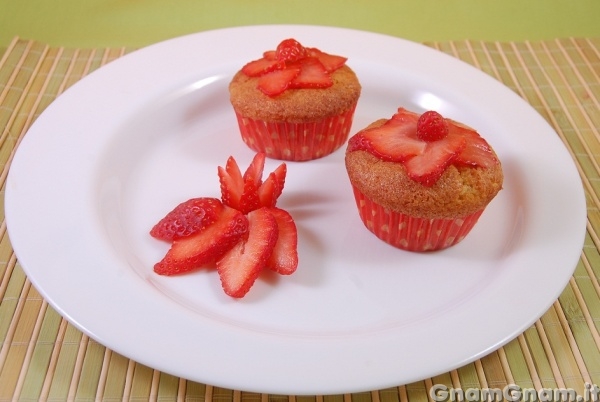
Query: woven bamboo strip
{"type": "Point", "coordinates": [29, 353]}
{"type": "Point", "coordinates": [537, 384]}
{"type": "Point", "coordinates": [520, 363]}
{"type": "Point", "coordinates": [574, 98]}
{"type": "Point", "coordinates": [585, 180]}
{"type": "Point", "coordinates": [21, 98]}
{"type": "Point", "coordinates": [428, 383]}
{"type": "Point", "coordinates": [506, 367]}
{"type": "Point", "coordinates": [44, 392]}
{"type": "Point", "coordinates": [402, 393]}
{"type": "Point", "coordinates": [101, 383]}
{"type": "Point", "coordinates": [156, 381]}
{"type": "Point", "coordinates": [6, 376]}
{"type": "Point", "coordinates": [584, 82]}
{"type": "Point", "coordinates": [481, 373]}
{"type": "Point", "coordinates": [9, 50]}
{"type": "Point", "coordinates": [581, 138]}
{"type": "Point", "coordinates": [550, 355]}
{"type": "Point", "coordinates": [541, 97]}
{"type": "Point", "coordinates": [593, 47]}
{"type": "Point", "coordinates": [593, 280]}
{"type": "Point", "coordinates": [585, 310]}
{"type": "Point", "coordinates": [129, 380]}
{"type": "Point", "coordinates": [15, 70]}
{"type": "Point", "coordinates": [572, 342]}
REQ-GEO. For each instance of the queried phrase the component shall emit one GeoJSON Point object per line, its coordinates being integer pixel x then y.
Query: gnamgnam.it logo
{"type": "Point", "coordinates": [514, 393]}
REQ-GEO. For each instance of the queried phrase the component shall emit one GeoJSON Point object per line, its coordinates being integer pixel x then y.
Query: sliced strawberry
{"type": "Point", "coordinates": [249, 200]}
{"type": "Point", "coordinates": [232, 183]}
{"type": "Point", "coordinates": [393, 141]}
{"type": "Point", "coordinates": [205, 247]}
{"type": "Point", "coordinates": [427, 167]}
{"type": "Point", "coordinates": [331, 62]}
{"type": "Point", "coordinates": [477, 152]}
{"type": "Point", "coordinates": [271, 188]}
{"type": "Point", "coordinates": [262, 66]}
{"type": "Point", "coordinates": [312, 75]}
{"type": "Point", "coordinates": [284, 258]}
{"type": "Point", "coordinates": [280, 172]}
{"type": "Point", "coordinates": [406, 116]}
{"type": "Point", "coordinates": [270, 55]}
{"type": "Point", "coordinates": [187, 218]}
{"type": "Point", "coordinates": [267, 193]}
{"type": "Point", "coordinates": [255, 170]}
{"type": "Point", "coordinates": [241, 265]}
{"type": "Point", "coordinates": [276, 82]}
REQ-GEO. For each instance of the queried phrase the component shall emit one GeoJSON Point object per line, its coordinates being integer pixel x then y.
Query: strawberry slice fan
{"type": "Point", "coordinates": [293, 66]}
{"type": "Point", "coordinates": [240, 234]}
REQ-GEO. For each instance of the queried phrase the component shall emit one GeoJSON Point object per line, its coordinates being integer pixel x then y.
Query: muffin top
{"type": "Point", "coordinates": [295, 105]}
{"type": "Point", "coordinates": [448, 183]}
{"type": "Point", "coordinates": [294, 83]}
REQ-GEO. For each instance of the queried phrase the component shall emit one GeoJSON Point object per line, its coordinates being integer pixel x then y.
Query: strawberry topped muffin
{"type": "Point", "coordinates": [295, 103]}
{"type": "Point", "coordinates": [421, 182]}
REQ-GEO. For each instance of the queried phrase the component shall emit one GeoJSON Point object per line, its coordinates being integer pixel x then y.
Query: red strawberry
{"type": "Point", "coordinates": [255, 170]}
{"type": "Point", "coordinates": [187, 218]}
{"type": "Point", "coordinates": [271, 188]}
{"type": "Point", "coordinates": [312, 75]}
{"type": "Point", "coordinates": [331, 62]}
{"type": "Point", "coordinates": [427, 167]}
{"type": "Point", "coordinates": [232, 183]}
{"type": "Point", "coordinates": [252, 178]}
{"type": "Point", "coordinates": [241, 265]}
{"type": "Point", "coordinates": [262, 66]}
{"type": "Point", "coordinates": [394, 141]}
{"type": "Point", "coordinates": [290, 50]}
{"type": "Point", "coordinates": [477, 152]}
{"type": "Point", "coordinates": [276, 82]}
{"type": "Point", "coordinates": [192, 252]}
{"type": "Point", "coordinates": [284, 258]}
{"type": "Point", "coordinates": [280, 172]}
{"type": "Point", "coordinates": [431, 126]}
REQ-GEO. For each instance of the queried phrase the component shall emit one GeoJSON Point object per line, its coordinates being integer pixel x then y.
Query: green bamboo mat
{"type": "Point", "coordinates": [42, 357]}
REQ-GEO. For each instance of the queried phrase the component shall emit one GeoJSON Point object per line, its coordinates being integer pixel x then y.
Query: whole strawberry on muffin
{"type": "Point", "coordinates": [295, 103]}
{"type": "Point", "coordinates": [421, 182]}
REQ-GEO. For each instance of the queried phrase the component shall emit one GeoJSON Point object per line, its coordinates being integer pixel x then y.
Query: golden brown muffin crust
{"type": "Point", "coordinates": [295, 105]}
{"type": "Point", "coordinates": [460, 191]}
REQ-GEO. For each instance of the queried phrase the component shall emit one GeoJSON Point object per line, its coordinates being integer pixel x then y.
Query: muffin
{"type": "Point", "coordinates": [295, 103]}
{"type": "Point", "coordinates": [421, 182]}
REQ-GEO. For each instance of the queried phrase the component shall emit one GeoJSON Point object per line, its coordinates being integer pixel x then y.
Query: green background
{"type": "Point", "coordinates": [90, 23]}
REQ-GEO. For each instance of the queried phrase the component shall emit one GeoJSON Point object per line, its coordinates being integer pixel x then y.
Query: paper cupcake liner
{"type": "Point", "coordinates": [296, 141]}
{"type": "Point", "coordinates": [412, 233]}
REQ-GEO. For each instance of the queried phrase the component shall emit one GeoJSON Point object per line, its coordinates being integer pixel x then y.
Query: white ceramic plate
{"type": "Point", "coordinates": [122, 147]}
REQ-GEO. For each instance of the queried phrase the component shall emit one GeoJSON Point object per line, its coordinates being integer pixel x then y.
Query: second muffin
{"type": "Point", "coordinates": [295, 103]}
{"type": "Point", "coordinates": [421, 182]}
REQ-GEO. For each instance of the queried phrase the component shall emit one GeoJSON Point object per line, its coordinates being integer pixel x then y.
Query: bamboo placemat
{"type": "Point", "coordinates": [42, 357]}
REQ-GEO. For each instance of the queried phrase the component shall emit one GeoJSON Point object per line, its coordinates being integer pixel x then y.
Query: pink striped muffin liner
{"type": "Point", "coordinates": [296, 141]}
{"type": "Point", "coordinates": [412, 233]}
